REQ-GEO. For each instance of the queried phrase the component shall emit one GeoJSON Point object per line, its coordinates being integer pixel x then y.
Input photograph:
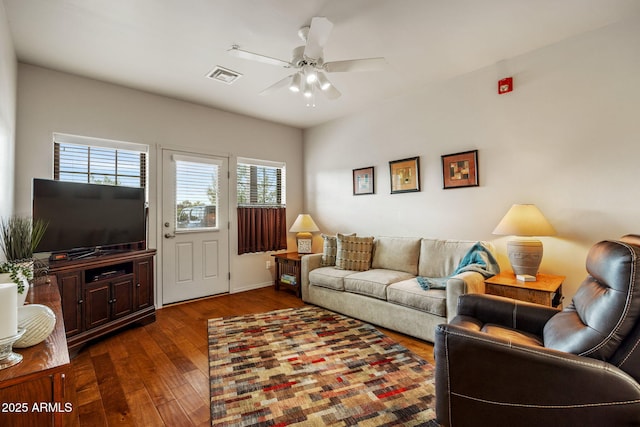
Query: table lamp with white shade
{"type": "Point", "coordinates": [304, 226]}
{"type": "Point", "coordinates": [524, 222]}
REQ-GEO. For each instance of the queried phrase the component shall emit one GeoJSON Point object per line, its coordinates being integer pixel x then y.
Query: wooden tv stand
{"type": "Point", "coordinates": [104, 293]}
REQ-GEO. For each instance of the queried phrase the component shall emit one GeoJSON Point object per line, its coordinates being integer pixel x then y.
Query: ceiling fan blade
{"type": "Point", "coordinates": [331, 92]}
{"type": "Point", "coordinates": [244, 54]}
{"type": "Point", "coordinates": [277, 85]}
{"type": "Point", "coordinates": [365, 64]}
{"type": "Point", "coordinates": [318, 35]}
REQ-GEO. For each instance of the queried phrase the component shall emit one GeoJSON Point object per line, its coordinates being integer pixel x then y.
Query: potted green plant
{"type": "Point", "coordinates": [19, 237]}
{"type": "Point", "coordinates": [20, 274]}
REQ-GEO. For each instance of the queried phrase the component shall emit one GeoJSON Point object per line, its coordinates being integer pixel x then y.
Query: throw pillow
{"type": "Point", "coordinates": [330, 249]}
{"type": "Point", "coordinates": [354, 253]}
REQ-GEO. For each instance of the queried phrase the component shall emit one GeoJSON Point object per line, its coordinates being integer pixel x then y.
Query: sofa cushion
{"type": "Point", "coordinates": [396, 253]}
{"type": "Point", "coordinates": [354, 253]}
{"type": "Point", "coordinates": [440, 258]}
{"type": "Point", "coordinates": [374, 282]}
{"type": "Point", "coordinates": [410, 294]}
{"type": "Point", "coordinates": [330, 249]}
{"type": "Point", "coordinates": [329, 277]}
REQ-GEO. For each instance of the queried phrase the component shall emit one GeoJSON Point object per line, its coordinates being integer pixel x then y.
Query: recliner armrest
{"type": "Point", "coordinates": [511, 313]}
{"type": "Point", "coordinates": [511, 384]}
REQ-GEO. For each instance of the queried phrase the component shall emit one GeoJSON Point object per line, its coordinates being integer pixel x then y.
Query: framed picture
{"type": "Point", "coordinates": [460, 169]}
{"type": "Point", "coordinates": [363, 182]}
{"type": "Point", "coordinates": [405, 175]}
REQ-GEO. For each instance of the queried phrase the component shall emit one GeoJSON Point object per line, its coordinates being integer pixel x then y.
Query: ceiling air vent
{"type": "Point", "coordinates": [224, 75]}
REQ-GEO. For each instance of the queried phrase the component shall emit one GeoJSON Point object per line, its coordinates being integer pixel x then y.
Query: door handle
{"type": "Point", "coordinates": [169, 236]}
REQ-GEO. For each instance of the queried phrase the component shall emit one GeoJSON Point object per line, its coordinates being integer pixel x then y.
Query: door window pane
{"type": "Point", "coordinates": [196, 195]}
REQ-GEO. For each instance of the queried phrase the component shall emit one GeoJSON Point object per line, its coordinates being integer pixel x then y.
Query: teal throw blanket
{"type": "Point", "coordinates": [477, 259]}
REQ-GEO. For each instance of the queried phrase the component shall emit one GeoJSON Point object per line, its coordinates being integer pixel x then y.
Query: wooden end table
{"type": "Point", "coordinates": [547, 290]}
{"type": "Point", "coordinates": [288, 269]}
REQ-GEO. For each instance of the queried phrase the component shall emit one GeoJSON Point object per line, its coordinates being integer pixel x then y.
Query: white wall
{"type": "Point", "coordinates": [567, 139]}
{"type": "Point", "coordinates": [51, 101]}
{"type": "Point", "coordinates": [8, 82]}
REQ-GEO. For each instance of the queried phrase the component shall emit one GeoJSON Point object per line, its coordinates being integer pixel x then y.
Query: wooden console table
{"type": "Point", "coordinates": [39, 391]}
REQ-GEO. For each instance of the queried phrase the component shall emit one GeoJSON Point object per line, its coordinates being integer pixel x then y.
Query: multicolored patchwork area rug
{"type": "Point", "coordinates": [312, 367]}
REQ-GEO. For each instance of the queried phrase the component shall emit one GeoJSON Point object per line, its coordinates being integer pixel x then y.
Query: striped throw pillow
{"type": "Point", "coordinates": [354, 253]}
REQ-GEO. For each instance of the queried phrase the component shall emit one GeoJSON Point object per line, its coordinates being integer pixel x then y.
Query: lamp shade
{"type": "Point", "coordinates": [524, 220]}
{"type": "Point", "coordinates": [304, 224]}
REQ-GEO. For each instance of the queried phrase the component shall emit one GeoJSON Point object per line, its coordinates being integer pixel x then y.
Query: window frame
{"type": "Point", "coordinates": [100, 143]}
{"type": "Point", "coordinates": [254, 164]}
{"type": "Point", "coordinates": [199, 161]}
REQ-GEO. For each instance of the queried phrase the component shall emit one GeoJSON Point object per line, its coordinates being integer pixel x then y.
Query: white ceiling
{"type": "Point", "coordinates": [168, 46]}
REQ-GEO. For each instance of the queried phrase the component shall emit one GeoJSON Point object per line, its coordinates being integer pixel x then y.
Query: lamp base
{"type": "Point", "coordinates": [304, 242]}
{"type": "Point", "coordinates": [525, 255]}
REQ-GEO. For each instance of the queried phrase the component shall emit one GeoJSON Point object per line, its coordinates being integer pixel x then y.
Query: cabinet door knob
{"type": "Point", "coordinates": [138, 285]}
{"type": "Point", "coordinates": [80, 302]}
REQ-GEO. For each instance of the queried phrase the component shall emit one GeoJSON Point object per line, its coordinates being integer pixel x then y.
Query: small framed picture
{"type": "Point", "coordinates": [363, 182]}
{"type": "Point", "coordinates": [460, 169]}
{"type": "Point", "coordinates": [405, 175]}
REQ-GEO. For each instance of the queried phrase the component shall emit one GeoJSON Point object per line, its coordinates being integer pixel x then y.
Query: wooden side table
{"type": "Point", "coordinates": [547, 290]}
{"type": "Point", "coordinates": [288, 268]}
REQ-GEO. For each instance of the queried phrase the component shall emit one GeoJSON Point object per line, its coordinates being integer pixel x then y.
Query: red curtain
{"type": "Point", "coordinates": [261, 229]}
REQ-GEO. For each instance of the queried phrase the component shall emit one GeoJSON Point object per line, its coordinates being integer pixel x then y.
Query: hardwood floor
{"type": "Point", "coordinates": [157, 375]}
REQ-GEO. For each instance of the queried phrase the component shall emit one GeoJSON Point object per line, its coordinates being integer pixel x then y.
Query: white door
{"type": "Point", "coordinates": [195, 241]}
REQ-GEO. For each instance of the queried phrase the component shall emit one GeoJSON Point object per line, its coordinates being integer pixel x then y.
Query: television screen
{"type": "Point", "coordinates": [88, 215]}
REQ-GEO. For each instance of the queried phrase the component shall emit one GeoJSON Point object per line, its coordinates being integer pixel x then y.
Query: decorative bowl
{"type": "Point", "coordinates": [38, 320]}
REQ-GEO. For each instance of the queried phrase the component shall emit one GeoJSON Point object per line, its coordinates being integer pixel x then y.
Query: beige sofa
{"type": "Point", "coordinates": [388, 294]}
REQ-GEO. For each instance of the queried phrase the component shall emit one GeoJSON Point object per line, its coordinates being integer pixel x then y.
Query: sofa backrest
{"type": "Point", "coordinates": [440, 258]}
{"type": "Point", "coordinates": [396, 253]}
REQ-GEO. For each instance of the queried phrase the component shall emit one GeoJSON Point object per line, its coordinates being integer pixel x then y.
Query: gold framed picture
{"type": "Point", "coordinates": [363, 181]}
{"type": "Point", "coordinates": [405, 175]}
{"type": "Point", "coordinates": [460, 169]}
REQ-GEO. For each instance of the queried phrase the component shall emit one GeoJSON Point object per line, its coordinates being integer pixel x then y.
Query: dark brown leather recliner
{"type": "Point", "coordinates": [503, 362]}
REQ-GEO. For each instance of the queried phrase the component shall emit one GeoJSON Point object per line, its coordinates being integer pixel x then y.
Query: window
{"type": "Point", "coordinates": [99, 161]}
{"type": "Point", "coordinates": [196, 192]}
{"type": "Point", "coordinates": [262, 213]}
{"type": "Point", "coordinates": [261, 183]}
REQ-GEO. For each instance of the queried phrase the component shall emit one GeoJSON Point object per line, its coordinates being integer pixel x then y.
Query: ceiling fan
{"type": "Point", "coordinates": [308, 61]}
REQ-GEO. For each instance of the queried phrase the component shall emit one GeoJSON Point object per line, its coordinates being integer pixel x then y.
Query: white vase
{"type": "Point", "coordinates": [38, 321]}
{"type": "Point", "coordinates": [22, 297]}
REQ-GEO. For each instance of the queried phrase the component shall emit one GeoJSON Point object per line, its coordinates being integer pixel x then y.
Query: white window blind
{"type": "Point", "coordinates": [196, 193]}
{"type": "Point", "coordinates": [261, 183]}
{"type": "Point", "coordinates": [98, 161]}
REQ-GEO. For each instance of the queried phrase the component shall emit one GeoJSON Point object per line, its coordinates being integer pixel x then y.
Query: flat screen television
{"type": "Point", "coordinates": [88, 216]}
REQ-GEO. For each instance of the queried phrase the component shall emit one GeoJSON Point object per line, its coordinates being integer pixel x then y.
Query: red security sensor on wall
{"type": "Point", "coordinates": [505, 85]}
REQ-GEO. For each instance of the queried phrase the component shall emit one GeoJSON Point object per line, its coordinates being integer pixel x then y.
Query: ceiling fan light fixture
{"type": "Point", "coordinates": [323, 81]}
{"type": "Point", "coordinates": [310, 73]}
{"type": "Point", "coordinates": [296, 83]}
{"type": "Point", "coordinates": [307, 91]}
